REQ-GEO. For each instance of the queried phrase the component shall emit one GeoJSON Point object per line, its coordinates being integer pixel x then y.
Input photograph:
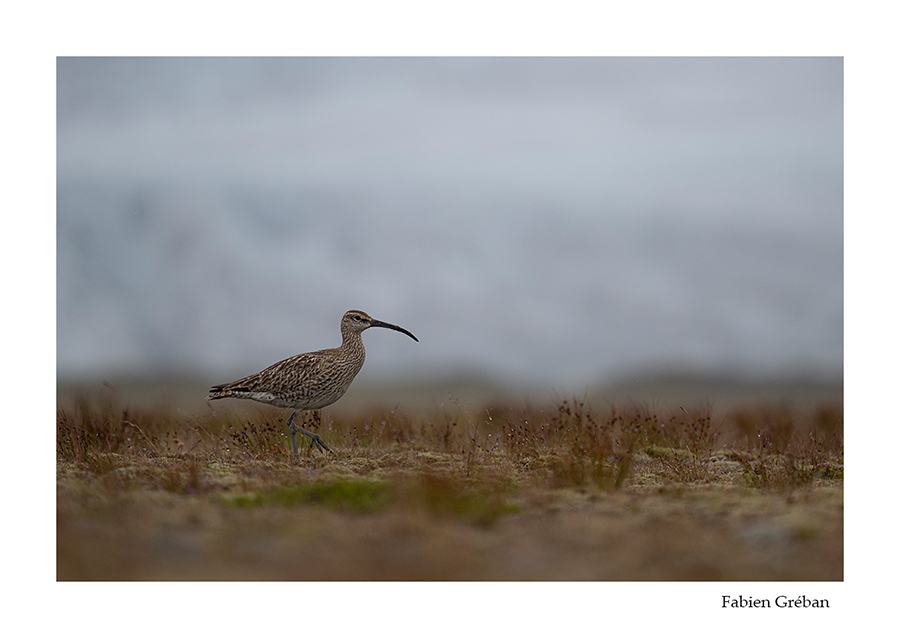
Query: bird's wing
{"type": "Point", "coordinates": [297, 371]}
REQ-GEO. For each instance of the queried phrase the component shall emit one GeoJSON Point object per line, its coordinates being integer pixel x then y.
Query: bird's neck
{"type": "Point", "coordinates": [352, 341]}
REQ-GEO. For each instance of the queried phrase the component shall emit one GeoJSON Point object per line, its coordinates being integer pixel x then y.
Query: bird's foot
{"type": "Point", "coordinates": [316, 440]}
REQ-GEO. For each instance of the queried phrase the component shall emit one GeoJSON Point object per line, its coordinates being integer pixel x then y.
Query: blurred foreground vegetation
{"type": "Point", "coordinates": [562, 492]}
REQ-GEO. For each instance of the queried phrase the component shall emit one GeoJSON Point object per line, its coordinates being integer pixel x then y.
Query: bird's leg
{"type": "Point", "coordinates": [315, 438]}
{"type": "Point", "coordinates": [293, 430]}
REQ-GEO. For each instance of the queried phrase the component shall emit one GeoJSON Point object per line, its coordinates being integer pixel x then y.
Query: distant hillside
{"type": "Point", "coordinates": [662, 391]}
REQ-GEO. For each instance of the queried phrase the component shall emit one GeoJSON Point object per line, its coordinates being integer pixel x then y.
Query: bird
{"type": "Point", "coordinates": [309, 381]}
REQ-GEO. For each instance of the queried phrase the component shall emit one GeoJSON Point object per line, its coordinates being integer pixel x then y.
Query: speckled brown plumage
{"type": "Point", "coordinates": [312, 380]}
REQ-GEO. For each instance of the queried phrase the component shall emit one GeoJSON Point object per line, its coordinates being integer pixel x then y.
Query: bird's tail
{"type": "Point", "coordinates": [225, 390]}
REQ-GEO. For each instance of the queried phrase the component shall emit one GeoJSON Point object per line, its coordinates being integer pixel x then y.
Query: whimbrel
{"type": "Point", "coordinates": [309, 381]}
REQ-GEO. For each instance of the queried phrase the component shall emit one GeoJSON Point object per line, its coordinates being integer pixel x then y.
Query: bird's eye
{"type": "Point", "coordinates": [357, 317]}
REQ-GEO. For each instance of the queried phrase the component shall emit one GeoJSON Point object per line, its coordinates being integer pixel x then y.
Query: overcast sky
{"type": "Point", "coordinates": [558, 221]}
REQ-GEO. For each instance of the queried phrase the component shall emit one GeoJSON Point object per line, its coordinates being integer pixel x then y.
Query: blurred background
{"type": "Point", "coordinates": [564, 224]}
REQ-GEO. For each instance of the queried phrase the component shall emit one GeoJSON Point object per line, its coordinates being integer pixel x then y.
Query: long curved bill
{"type": "Point", "coordinates": [375, 323]}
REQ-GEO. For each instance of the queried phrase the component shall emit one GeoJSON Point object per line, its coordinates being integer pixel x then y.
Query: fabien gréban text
{"type": "Point", "coordinates": [783, 602]}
